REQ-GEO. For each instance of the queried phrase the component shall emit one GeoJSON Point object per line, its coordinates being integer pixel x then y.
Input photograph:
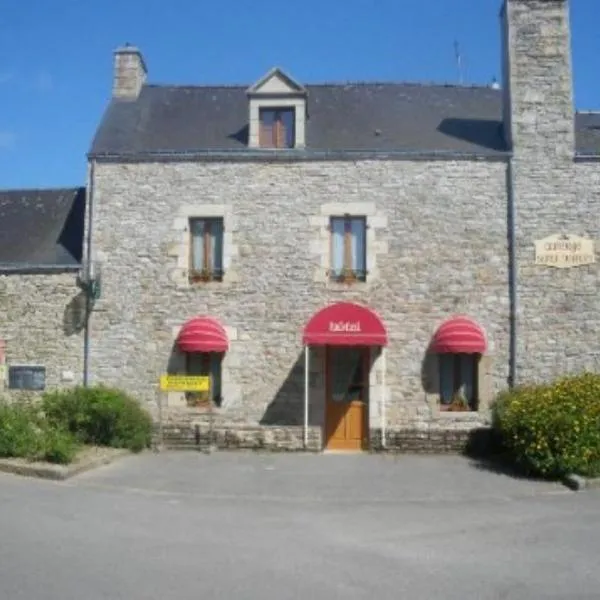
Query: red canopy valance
{"type": "Point", "coordinates": [203, 334]}
{"type": "Point", "coordinates": [345, 324]}
{"type": "Point", "coordinates": [459, 335]}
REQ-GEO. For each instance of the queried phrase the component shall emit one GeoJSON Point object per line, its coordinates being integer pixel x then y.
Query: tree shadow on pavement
{"type": "Point", "coordinates": [487, 453]}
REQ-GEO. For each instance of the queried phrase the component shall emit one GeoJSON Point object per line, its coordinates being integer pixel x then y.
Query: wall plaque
{"type": "Point", "coordinates": [564, 251]}
{"type": "Point", "coordinates": [26, 377]}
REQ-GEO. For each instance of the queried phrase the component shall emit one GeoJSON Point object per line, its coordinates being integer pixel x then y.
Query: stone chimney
{"type": "Point", "coordinates": [129, 74]}
{"type": "Point", "coordinates": [537, 76]}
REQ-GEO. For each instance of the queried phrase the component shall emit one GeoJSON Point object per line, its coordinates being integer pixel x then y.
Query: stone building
{"type": "Point", "coordinates": [346, 262]}
{"type": "Point", "coordinates": [42, 309]}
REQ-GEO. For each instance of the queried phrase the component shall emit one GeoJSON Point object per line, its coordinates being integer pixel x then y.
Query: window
{"type": "Point", "coordinates": [458, 382]}
{"type": "Point", "coordinates": [206, 249]}
{"type": "Point", "coordinates": [277, 127]}
{"type": "Point", "coordinates": [207, 364]}
{"type": "Point", "coordinates": [348, 248]}
{"type": "Point", "coordinates": [24, 377]}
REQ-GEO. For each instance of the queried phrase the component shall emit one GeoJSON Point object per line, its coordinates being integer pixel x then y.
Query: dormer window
{"type": "Point", "coordinates": [277, 126]}
{"type": "Point", "coordinates": [276, 112]}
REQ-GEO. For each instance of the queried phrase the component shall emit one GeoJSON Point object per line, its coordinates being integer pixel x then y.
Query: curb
{"type": "Point", "coordinates": [578, 483]}
{"type": "Point", "coordinates": [19, 466]}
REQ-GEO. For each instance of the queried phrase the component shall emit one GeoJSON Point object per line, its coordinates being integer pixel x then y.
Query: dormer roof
{"type": "Point", "coordinates": [276, 82]}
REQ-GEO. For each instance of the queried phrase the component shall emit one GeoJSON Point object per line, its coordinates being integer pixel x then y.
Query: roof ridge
{"type": "Point", "coordinates": [43, 189]}
{"type": "Point", "coordinates": [340, 84]}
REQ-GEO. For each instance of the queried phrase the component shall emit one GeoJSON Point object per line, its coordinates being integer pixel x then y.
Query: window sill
{"type": "Point", "coordinates": [466, 415]}
{"type": "Point", "coordinates": [202, 279]}
{"type": "Point", "coordinates": [346, 280]}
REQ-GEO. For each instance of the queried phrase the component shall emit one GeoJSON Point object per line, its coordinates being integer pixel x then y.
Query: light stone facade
{"type": "Point", "coordinates": [42, 319]}
{"type": "Point", "coordinates": [437, 228]}
{"type": "Point", "coordinates": [558, 327]}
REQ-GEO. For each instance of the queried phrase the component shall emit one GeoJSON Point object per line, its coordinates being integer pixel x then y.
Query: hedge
{"type": "Point", "coordinates": [25, 433]}
{"type": "Point", "coordinates": [54, 429]}
{"type": "Point", "coordinates": [101, 416]}
{"type": "Point", "coordinates": [552, 429]}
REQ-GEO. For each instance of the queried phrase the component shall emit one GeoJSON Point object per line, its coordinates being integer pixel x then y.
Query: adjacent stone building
{"type": "Point", "coordinates": [42, 309]}
{"type": "Point", "coordinates": [347, 263]}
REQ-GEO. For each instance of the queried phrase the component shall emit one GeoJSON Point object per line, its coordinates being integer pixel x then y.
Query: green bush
{"type": "Point", "coordinates": [554, 429]}
{"type": "Point", "coordinates": [25, 433]}
{"type": "Point", "coordinates": [58, 446]}
{"type": "Point", "coordinates": [21, 431]}
{"type": "Point", "coordinates": [100, 415]}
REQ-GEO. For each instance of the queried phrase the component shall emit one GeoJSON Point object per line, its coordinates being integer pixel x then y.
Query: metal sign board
{"type": "Point", "coordinates": [184, 383]}
{"type": "Point", "coordinates": [564, 251]}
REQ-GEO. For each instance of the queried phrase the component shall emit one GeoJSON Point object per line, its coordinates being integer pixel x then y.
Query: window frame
{"type": "Point", "coordinates": [208, 271]}
{"type": "Point", "coordinates": [349, 274]}
{"type": "Point", "coordinates": [277, 127]}
{"type": "Point", "coordinates": [208, 359]}
{"type": "Point", "coordinates": [474, 402]}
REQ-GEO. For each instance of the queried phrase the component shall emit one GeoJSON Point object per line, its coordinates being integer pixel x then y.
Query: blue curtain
{"type": "Point", "coordinates": [215, 376]}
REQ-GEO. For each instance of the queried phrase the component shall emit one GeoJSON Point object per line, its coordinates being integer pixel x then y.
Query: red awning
{"type": "Point", "coordinates": [203, 334]}
{"type": "Point", "coordinates": [459, 335]}
{"type": "Point", "coordinates": [345, 324]}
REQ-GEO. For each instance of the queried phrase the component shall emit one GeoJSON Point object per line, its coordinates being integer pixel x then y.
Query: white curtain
{"type": "Point", "coordinates": [358, 246]}
{"type": "Point", "coordinates": [446, 364]}
{"type": "Point", "coordinates": [217, 246]}
{"type": "Point", "coordinates": [198, 245]}
{"type": "Point", "coordinates": [466, 375]}
{"type": "Point", "coordinates": [337, 247]}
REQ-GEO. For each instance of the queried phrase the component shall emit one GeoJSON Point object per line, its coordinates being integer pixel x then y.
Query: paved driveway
{"type": "Point", "coordinates": [188, 525]}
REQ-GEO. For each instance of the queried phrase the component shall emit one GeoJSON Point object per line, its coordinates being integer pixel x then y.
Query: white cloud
{"type": "Point", "coordinates": [7, 139]}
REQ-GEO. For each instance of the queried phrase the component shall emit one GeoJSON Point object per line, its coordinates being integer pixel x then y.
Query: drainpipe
{"type": "Point", "coordinates": [88, 267]}
{"type": "Point", "coordinates": [512, 275]}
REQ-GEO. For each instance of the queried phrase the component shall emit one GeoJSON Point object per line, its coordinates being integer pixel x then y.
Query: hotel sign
{"type": "Point", "coordinates": [344, 327]}
{"type": "Point", "coordinates": [564, 251]}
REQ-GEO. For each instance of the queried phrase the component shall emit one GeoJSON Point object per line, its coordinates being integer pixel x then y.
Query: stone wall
{"type": "Point", "coordinates": [41, 321]}
{"type": "Point", "coordinates": [559, 309]}
{"type": "Point", "coordinates": [432, 440]}
{"type": "Point", "coordinates": [441, 240]}
{"type": "Point", "coordinates": [201, 436]}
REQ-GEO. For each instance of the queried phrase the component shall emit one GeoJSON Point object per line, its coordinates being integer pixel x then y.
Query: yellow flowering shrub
{"type": "Point", "coordinates": [552, 429]}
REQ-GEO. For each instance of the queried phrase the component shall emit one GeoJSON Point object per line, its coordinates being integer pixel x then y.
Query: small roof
{"type": "Point", "coordinates": [277, 73]}
{"type": "Point", "coordinates": [459, 335]}
{"type": "Point", "coordinates": [345, 324]}
{"type": "Point", "coordinates": [41, 228]}
{"type": "Point", "coordinates": [203, 334]}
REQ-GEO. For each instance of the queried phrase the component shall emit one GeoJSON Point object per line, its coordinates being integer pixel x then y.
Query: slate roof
{"type": "Point", "coordinates": [587, 130]}
{"type": "Point", "coordinates": [341, 117]}
{"type": "Point", "coordinates": [359, 116]}
{"type": "Point", "coordinates": [41, 229]}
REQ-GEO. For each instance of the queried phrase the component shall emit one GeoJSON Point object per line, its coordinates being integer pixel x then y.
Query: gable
{"type": "Point", "coordinates": [276, 82]}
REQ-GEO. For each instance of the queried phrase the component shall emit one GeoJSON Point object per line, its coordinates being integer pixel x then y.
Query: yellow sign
{"type": "Point", "coordinates": [564, 251]}
{"type": "Point", "coordinates": [184, 383]}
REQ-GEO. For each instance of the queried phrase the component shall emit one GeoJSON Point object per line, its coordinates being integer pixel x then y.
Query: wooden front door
{"type": "Point", "coordinates": [346, 405]}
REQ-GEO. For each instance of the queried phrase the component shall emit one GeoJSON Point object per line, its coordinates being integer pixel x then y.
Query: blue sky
{"type": "Point", "coordinates": [56, 58]}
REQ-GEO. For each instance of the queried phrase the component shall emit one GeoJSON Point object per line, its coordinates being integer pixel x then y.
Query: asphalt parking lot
{"type": "Point", "coordinates": [236, 525]}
